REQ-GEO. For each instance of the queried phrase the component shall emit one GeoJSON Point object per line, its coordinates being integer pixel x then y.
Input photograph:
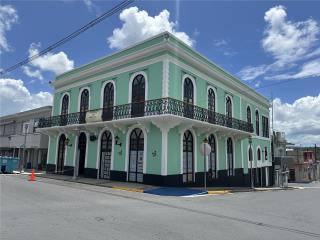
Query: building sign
{"type": "Point", "coordinates": [93, 116]}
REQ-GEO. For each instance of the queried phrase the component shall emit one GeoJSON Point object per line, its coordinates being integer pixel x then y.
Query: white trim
{"type": "Point", "coordinates": [109, 64]}
{"type": "Point", "coordinates": [131, 68]}
{"type": "Point", "coordinates": [242, 162]}
{"type": "Point", "coordinates": [201, 62]}
{"type": "Point", "coordinates": [195, 159]}
{"type": "Point", "coordinates": [69, 101]}
{"type": "Point", "coordinates": [218, 83]}
{"type": "Point", "coordinates": [102, 92]}
{"type": "Point", "coordinates": [225, 104]}
{"type": "Point", "coordinates": [130, 129]}
{"type": "Point", "coordinates": [48, 152]}
{"type": "Point", "coordinates": [165, 78]}
{"type": "Point", "coordinates": [79, 97]}
{"type": "Point", "coordinates": [145, 87]}
{"type": "Point", "coordinates": [75, 155]}
{"type": "Point", "coordinates": [215, 97]}
{"type": "Point", "coordinates": [99, 150]}
{"type": "Point", "coordinates": [164, 152]}
{"type": "Point", "coordinates": [233, 154]}
{"type": "Point", "coordinates": [194, 87]}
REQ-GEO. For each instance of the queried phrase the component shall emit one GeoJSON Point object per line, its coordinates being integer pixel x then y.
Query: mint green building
{"type": "Point", "coordinates": [141, 115]}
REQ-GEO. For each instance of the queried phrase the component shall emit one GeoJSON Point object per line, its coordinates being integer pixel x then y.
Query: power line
{"type": "Point", "coordinates": [74, 34]}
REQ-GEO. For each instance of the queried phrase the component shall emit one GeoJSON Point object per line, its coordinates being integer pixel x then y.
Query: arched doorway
{"type": "Point", "coordinates": [61, 153]}
{"type": "Point", "coordinates": [108, 102]}
{"type": "Point", "coordinates": [105, 155]}
{"type": "Point", "coordinates": [188, 157]}
{"type": "Point", "coordinates": [82, 146]}
{"type": "Point", "coordinates": [188, 98]}
{"type": "Point", "coordinates": [230, 157]}
{"type": "Point", "coordinates": [138, 96]}
{"type": "Point", "coordinates": [64, 110]}
{"type": "Point", "coordinates": [84, 105]}
{"type": "Point", "coordinates": [136, 154]}
{"type": "Point", "coordinates": [212, 157]}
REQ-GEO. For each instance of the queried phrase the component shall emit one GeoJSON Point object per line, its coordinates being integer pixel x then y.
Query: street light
{"type": "Point", "coordinates": [250, 159]}
{"type": "Point", "coordinates": [205, 150]}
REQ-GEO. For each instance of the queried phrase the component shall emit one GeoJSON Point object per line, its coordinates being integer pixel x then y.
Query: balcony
{"type": "Point", "coordinates": [161, 106]}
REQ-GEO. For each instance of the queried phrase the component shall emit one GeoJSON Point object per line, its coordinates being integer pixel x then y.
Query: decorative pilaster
{"type": "Point", "coordinates": [165, 78]}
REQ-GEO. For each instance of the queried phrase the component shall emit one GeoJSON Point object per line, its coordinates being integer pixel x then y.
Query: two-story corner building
{"type": "Point", "coordinates": [141, 115]}
{"type": "Point", "coordinates": [18, 138]}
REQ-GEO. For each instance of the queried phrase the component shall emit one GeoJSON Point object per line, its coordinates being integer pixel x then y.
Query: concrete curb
{"type": "Point", "coordinates": [142, 190]}
{"type": "Point", "coordinates": [218, 192]}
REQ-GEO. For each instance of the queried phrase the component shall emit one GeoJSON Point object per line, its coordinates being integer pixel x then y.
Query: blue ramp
{"type": "Point", "coordinates": [173, 191]}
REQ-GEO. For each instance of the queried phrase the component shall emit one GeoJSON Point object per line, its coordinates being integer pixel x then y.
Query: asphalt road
{"type": "Point", "coordinates": [51, 209]}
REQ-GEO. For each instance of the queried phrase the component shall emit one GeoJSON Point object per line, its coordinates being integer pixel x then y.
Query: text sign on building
{"type": "Point", "coordinates": [93, 116]}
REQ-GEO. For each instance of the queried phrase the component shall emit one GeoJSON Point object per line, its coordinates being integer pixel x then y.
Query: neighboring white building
{"type": "Point", "coordinates": [19, 139]}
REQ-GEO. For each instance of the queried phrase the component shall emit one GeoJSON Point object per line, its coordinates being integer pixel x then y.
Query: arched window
{"type": "Point", "coordinates": [230, 157]}
{"type": "Point", "coordinates": [105, 155]}
{"type": "Point", "coordinates": [108, 102]}
{"type": "Point", "coordinates": [64, 110]}
{"type": "Point", "coordinates": [138, 96]}
{"type": "Point", "coordinates": [229, 111]}
{"type": "Point", "coordinates": [188, 157]}
{"type": "Point", "coordinates": [257, 123]}
{"type": "Point", "coordinates": [188, 98]}
{"type": "Point", "coordinates": [259, 154]}
{"type": "Point", "coordinates": [248, 114]}
{"type": "Point", "coordinates": [136, 155]}
{"type": "Point", "coordinates": [84, 105]}
{"type": "Point", "coordinates": [212, 157]}
{"type": "Point", "coordinates": [61, 153]}
{"type": "Point", "coordinates": [211, 105]}
{"type": "Point", "coordinates": [65, 104]}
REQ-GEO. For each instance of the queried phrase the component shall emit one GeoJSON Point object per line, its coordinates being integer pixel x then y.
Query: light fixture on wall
{"type": "Point", "coordinates": [93, 138]}
{"type": "Point", "coordinates": [117, 141]}
{"type": "Point", "coordinates": [154, 153]}
{"type": "Point", "coordinates": [67, 142]}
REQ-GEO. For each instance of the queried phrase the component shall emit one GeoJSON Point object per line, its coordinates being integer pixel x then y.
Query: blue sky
{"type": "Point", "coordinates": [262, 43]}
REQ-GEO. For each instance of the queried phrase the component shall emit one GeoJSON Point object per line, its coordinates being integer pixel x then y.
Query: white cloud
{"type": "Point", "coordinates": [249, 73]}
{"type": "Point", "coordinates": [15, 97]}
{"type": "Point", "coordinates": [32, 73]}
{"type": "Point", "coordinates": [57, 63]}
{"type": "Point", "coordinates": [220, 42]}
{"type": "Point", "coordinates": [8, 17]}
{"type": "Point", "coordinates": [299, 120]}
{"type": "Point", "coordinates": [289, 43]}
{"type": "Point", "coordinates": [92, 7]}
{"type": "Point", "coordinates": [138, 25]}
{"type": "Point", "coordinates": [309, 69]}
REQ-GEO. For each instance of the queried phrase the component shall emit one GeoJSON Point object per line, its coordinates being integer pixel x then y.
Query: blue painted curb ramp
{"type": "Point", "coordinates": [174, 191]}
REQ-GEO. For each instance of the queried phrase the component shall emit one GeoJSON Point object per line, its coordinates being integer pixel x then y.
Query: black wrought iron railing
{"type": "Point", "coordinates": [149, 108]}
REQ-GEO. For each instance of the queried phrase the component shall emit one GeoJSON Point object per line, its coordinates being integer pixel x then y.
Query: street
{"type": "Point", "coordinates": [52, 209]}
